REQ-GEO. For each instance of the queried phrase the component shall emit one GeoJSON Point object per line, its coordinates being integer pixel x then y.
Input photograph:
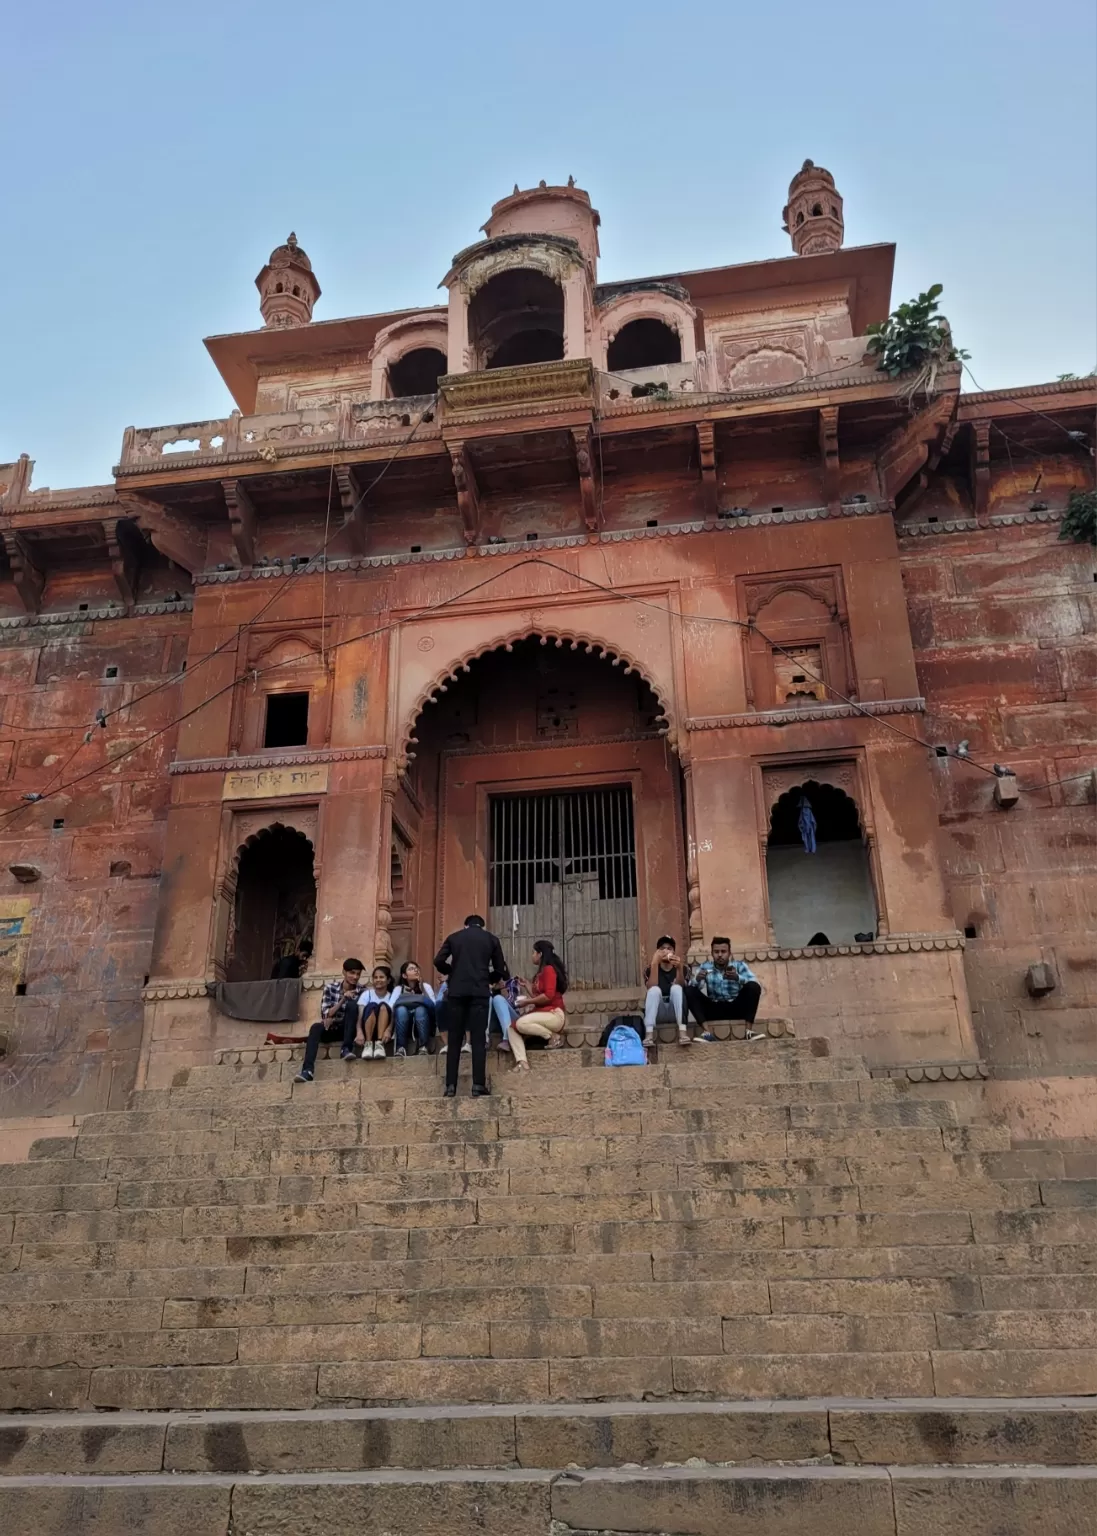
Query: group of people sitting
{"type": "Point", "coordinates": [478, 997]}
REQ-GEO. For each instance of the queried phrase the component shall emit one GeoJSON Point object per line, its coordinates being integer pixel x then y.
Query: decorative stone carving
{"type": "Point", "coordinates": [287, 287]}
{"type": "Point", "coordinates": [812, 217]}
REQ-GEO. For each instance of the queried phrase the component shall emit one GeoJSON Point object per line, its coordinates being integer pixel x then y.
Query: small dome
{"type": "Point", "coordinates": [289, 255]}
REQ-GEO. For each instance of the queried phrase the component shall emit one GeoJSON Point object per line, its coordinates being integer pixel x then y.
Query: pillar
{"type": "Point", "coordinates": [457, 343]}
{"type": "Point", "coordinates": [575, 322]}
{"type": "Point", "coordinates": [731, 873]}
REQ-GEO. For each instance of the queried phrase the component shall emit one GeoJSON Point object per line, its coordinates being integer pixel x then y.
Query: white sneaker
{"type": "Point", "coordinates": [443, 1048]}
{"type": "Point", "coordinates": [466, 1049]}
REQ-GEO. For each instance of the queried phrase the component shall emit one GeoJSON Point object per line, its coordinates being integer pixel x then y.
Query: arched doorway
{"type": "Point", "coordinates": [828, 892]}
{"type": "Point", "coordinates": [275, 901]}
{"type": "Point", "coordinates": [551, 802]}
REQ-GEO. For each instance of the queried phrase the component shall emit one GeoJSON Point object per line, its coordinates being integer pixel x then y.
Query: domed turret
{"type": "Point", "coordinates": [545, 210]}
{"type": "Point", "coordinates": [813, 214]}
{"type": "Point", "coordinates": [287, 287]}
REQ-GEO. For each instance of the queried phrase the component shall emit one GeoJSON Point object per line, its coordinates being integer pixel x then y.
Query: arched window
{"type": "Point", "coordinates": [828, 890]}
{"type": "Point", "coordinates": [517, 317]}
{"type": "Point", "coordinates": [817, 211]}
{"type": "Point", "coordinates": [644, 343]}
{"type": "Point", "coordinates": [417, 372]}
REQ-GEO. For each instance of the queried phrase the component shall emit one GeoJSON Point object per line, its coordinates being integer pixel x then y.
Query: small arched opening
{"type": "Point", "coordinates": [417, 372]}
{"type": "Point", "coordinates": [644, 343]}
{"type": "Point", "coordinates": [275, 901]}
{"type": "Point", "coordinates": [517, 317]}
{"type": "Point", "coordinates": [828, 891]}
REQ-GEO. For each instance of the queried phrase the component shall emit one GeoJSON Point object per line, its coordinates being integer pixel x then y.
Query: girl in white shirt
{"type": "Point", "coordinates": [414, 1007]}
{"type": "Point", "coordinates": [375, 1018]}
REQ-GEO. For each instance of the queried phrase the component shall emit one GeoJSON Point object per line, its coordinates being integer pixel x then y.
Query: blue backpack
{"type": "Point", "coordinates": [624, 1048]}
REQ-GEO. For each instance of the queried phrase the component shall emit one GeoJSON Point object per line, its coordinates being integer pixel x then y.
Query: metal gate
{"type": "Point", "coordinates": [563, 867]}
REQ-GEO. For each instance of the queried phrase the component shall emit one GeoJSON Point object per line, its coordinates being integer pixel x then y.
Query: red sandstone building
{"type": "Point", "coordinates": [553, 601]}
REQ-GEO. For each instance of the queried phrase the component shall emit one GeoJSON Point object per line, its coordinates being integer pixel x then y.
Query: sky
{"type": "Point", "coordinates": [153, 156]}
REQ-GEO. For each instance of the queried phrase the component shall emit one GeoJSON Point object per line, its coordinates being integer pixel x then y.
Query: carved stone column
{"type": "Point", "coordinates": [457, 343]}
{"type": "Point", "coordinates": [575, 329]}
{"type": "Point", "coordinates": [696, 952]}
{"type": "Point", "coordinates": [382, 940]}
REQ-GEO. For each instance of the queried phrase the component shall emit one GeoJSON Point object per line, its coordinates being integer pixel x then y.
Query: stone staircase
{"type": "Point", "coordinates": [747, 1289]}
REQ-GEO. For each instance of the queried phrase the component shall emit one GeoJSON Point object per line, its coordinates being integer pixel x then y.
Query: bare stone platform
{"type": "Point", "coordinates": [747, 1289]}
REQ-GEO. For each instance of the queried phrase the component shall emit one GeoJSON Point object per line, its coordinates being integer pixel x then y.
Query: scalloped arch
{"type": "Point", "coordinates": [674, 313]}
{"type": "Point", "coordinates": [260, 833]}
{"type": "Point", "coordinates": [546, 634]}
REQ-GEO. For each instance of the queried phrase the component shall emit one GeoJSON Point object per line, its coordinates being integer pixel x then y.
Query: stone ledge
{"type": "Point", "coordinates": [278, 758]}
{"type": "Point", "coordinates": [935, 1071]}
{"type": "Point", "coordinates": [976, 525]}
{"type": "Point", "coordinates": [575, 1039]}
{"type": "Point", "coordinates": [105, 611]}
{"type": "Point", "coordinates": [896, 944]}
{"type": "Point", "coordinates": [794, 716]}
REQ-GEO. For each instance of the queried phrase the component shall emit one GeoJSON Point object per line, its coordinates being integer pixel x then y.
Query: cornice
{"type": "Point", "coordinates": [935, 1071]}
{"type": "Point", "coordinates": [895, 944]}
{"type": "Point", "coordinates": [1029, 391]}
{"type": "Point", "coordinates": [279, 759]}
{"type": "Point", "coordinates": [822, 383]}
{"type": "Point", "coordinates": [795, 716]}
{"type": "Point", "coordinates": [974, 524]}
{"type": "Point", "coordinates": [84, 616]}
{"type": "Point", "coordinates": [71, 500]}
{"type": "Point", "coordinates": [162, 989]}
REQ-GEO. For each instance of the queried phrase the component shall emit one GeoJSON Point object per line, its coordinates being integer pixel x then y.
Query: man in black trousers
{"type": "Point", "coordinates": [471, 960]}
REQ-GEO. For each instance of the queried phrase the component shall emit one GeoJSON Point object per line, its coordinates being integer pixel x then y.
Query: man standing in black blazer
{"type": "Point", "coordinates": [471, 960]}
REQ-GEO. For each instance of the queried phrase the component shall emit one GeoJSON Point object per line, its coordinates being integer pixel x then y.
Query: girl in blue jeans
{"type": "Point", "coordinates": [414, 1006]}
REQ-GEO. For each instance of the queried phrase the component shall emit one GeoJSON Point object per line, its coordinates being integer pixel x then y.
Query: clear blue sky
{"type": "Point", "coordinates": [153, 155]}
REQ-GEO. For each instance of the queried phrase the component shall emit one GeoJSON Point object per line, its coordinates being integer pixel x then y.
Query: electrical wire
{"type": "Point", "coordinates": [302, 568]}
{"type": "Point", "coordinates": [609, 590]}
{"type": "Point", "coordinates": [1031, 410]}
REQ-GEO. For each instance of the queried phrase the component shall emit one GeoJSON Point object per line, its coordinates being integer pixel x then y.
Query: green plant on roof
{"type": "Point", "coordinates": [916, 340]}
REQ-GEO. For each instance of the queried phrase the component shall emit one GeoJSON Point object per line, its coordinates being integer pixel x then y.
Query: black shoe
{"type": "Point", "coordinates": [480, 1090]}
{"type": "Point", "coordinates": [448, 1092]}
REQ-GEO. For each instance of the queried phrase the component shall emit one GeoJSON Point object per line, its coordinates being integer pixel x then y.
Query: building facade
{"type": "Point", "coordinates": [590, 606]}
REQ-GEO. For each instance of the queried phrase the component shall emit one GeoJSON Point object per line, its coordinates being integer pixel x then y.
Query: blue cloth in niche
{"type": "Point", "coordinates": [807, 824]}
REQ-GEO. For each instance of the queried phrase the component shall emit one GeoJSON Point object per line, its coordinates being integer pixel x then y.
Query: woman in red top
{"type": "Point", "coordinates": [545, 1017]}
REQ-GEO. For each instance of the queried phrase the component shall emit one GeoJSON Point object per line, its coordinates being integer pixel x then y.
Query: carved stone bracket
{"type": "Point", "coordinates": [980, 467]}
{"type": "Point", "coordinates": [177, 539]}
{"type": "Point", "coordinates": [588, 488]}
{"type": "Point", "coordinates": [468, 492]}
{"type": "Point", "coordinates": [350, 498]}
{"type": "Point", "coordinates": [125, 548]}
{"type": "Point", "coordinates": [903, 455]}
{"type": "Point", "coordinates": [241, 511]}
{"type": "Point", "coordinates": [828, 447]}
{"type": "Point", "coordinates": [26, 573]}
{"type": "Point", "coordinates": [706, 445]}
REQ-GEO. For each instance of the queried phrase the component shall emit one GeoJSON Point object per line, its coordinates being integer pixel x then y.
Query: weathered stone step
{"type": "Point", "coordinates": [1052, 1432]}
{"type": "Point", "coordinates": [700, 1501]}
{"type": "Point", "coordinates": [416, 1379]}
{"type": "Point", "coordinates": [755, 1264]}
{"type": "Point", "coordinates": [621, 1176]}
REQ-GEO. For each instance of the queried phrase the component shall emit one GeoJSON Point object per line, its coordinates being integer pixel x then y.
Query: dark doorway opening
{"type": "Point", "coordinates": [643, 344]}
{"type": "Point", "coordinates": [287, 722]}
{"type": "Point", "coordinates": [417, 372]}
{"type": "Point", "coordinates": [275, 903]}
{"type": "Point", "coordinates": [517, 317]}
{"type": "Point", "coordinates": [563, 866]}
{"type": "Point", "coordinates": [830, 890]}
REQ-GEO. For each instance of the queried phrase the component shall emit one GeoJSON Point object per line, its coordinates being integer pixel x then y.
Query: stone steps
{"type": "Point", "coordinates": [752, 1501]}
{"type": "Point", "coordinates": [286, 1262]}
{"type": "Point", "coordinates": [915, 1432]}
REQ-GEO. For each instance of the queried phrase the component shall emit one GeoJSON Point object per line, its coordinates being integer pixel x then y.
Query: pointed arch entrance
{"type": "Point", "coordinates": [273, 902]}
{"type": "Point", "coordinates": [548, 797]}
{"type": "Point", "coordinates": [818, 868]}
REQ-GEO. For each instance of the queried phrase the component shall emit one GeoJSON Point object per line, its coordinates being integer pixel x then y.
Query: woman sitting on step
{"type": "Point", "coordinates": [376, 1019]}
{"type": "Point", "coordinates": [545, 1017]}
{"type": "Point", "coordinates": [413, 1005]}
